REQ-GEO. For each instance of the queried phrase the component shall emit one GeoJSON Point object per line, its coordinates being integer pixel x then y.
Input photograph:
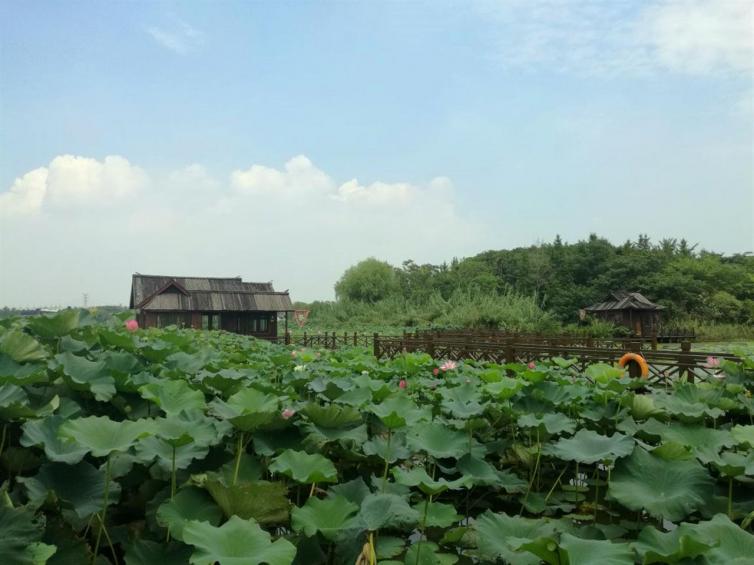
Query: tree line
{"type": "Point", "coordinates": [565, 277]}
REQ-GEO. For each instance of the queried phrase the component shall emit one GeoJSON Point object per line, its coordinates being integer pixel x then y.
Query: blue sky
{"type": "Point", "coordinates": [287, 141]}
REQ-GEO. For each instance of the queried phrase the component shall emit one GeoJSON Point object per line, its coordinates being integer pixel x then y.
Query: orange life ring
{"type": "Point", "coordinates": [628, 357]}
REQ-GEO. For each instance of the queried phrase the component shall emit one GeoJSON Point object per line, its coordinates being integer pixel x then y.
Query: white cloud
{"type": "Point", "coordinates": [71, 181]}
{"type": "Point", "coordinates": [295, 224]}
{"type": "Point", "coordinates": [617, 37]}
{"type": "Point", "coordinates": [26, 195]}
{"type": "Point", "coordinates": [701, 36]}
{"type": "Point", "coordinates": [180, 37]}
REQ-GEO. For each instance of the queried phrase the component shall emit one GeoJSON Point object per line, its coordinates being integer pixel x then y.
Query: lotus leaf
{"type": "Point", "coordinates": [103, 436]}
{"type": "Point", "coordinates": [304, 467]}
{"type": "Point", "coordinates": [666, 489]}
{"type": "Point", "coordinates": [237, 542]}
{"type": "Point", "coordinates": [327, 516]}
{"type": "Point", "coordinates": [189, 503]}
{"type": "Point", "coordinates": [590, 447]}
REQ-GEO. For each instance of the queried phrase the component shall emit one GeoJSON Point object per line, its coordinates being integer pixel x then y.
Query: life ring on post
{"type": "Point", "coordinates": [639, 360]}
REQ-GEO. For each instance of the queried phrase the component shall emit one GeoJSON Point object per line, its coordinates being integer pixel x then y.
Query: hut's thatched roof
{"type": "Point", "coordinates": [205, 294]}
{"type": "Point", "coordinates": [622, 300]}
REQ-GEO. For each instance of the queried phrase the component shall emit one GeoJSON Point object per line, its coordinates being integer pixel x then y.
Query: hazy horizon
{"type": "Point", "coordinates": [286, 142]}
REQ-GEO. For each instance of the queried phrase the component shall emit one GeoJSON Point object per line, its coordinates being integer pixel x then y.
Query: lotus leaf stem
{"type": "Point", "coordinates": [104, 510]}
{"type": "Point", "coordinates": [239, 450]}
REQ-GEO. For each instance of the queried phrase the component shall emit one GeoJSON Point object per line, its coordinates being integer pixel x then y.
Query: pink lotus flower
{"type": "Point", "coordinates": [448, 366]}
{"type": "Point", "coordinates": [435, 371]}
{"type": "Point", "coordinates": [132, 325]}
{"type": "Point", "coordinates": [288, 413]}
{"type": "Point", "coordinates": [532, 365]}
{"type": "Point", "coordinates": [402, 383]}
{"type": "Point", "coordinates": [712, 362]}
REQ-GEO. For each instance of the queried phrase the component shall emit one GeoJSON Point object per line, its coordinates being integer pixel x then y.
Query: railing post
{"type": "Point", "coordinates": [634, 370]}
{"type": "Point", "coordinates": [376, 344]}
{"type": "Point", "coordinates": [685, 363]}
{"type": "Point", "coordinates": [654, 341]}
{"type": "Point", "coordinates": [287, 338]}
{"type": "Point", "coordinates": [430, 346]}
{"type": "Point", "coordinates": [510, 353]}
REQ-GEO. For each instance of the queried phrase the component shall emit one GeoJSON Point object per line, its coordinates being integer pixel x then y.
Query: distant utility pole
{"type": "Point", "coordinates": [86, 299]}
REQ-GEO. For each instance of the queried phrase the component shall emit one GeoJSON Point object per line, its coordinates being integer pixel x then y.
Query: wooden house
{"type": "Point", "coordinates": [629, 309]}
{"type": "Point", "coordinates": [209, 303]}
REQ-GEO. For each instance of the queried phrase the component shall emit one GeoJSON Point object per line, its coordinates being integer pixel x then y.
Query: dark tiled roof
{"type": "Point", "coordinates": [625, 301]}
{"type": "Point", "coordinates": [206, 294]}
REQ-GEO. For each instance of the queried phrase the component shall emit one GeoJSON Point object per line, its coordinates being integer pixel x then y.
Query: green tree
{"type": "Point", "coordinates": [369, 281]}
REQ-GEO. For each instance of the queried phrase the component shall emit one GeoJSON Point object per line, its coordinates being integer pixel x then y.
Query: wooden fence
{"type": "Point", "coordinates": [663, 365]}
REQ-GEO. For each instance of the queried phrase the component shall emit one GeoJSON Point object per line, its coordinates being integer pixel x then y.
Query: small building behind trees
{"type": "Point", "coordinates": [209, 303]}
{"type": "Point", "coordinates": [629, 309]}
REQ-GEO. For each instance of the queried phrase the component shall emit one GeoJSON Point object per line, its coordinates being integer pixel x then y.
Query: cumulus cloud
{"type": "Point", "coordinates": [295, 224]}
{"type": "Point", "coordinates": [180, 37]}
{"type": "Point", "coordinates": [596, 37]}
{"type": "Point", "coordinates": [71, 181]}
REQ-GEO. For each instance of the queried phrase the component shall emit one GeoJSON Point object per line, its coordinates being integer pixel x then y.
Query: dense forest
{"type": "Point", "coordinates": [695, 286]}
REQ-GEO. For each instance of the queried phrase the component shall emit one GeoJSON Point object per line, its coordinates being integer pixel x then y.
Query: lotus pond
{"type": "Point", "coordinates": [177, 446]}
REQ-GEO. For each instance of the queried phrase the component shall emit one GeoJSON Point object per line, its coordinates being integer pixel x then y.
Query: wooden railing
{"type": "Point", "coordinates": [663, 365]}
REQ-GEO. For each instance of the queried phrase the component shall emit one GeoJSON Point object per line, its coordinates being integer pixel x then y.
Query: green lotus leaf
{"type": "Point", "coordinates": [504, 389]}
{"type": "Point", "coordinates": [388, 546]}
{"type": "Point", "coordinates": [500, 535]}
{"type": "Point", "coordinates": [673, 451]}
{"type": "Point", "coordinates": [266, 502]}
{"type": "Point", "coordinates": [153, 448]}
{"type": "Point", "coordinates": [304, 467]}
{"type": "Point", "coordinates": [121, 340]}
{"type": "Point", "coordinates": [418, 477]}
{"type": "Point", "coordinates": [20, 538]}
{"type": "Point", "coordinates": [317, 437]}
{"type": "Point", "coordinates": [666, 489]}
{"type": "Point", "coordinates": [743, 435]}
{"type": "Point", "coordinates": [643, 406]}
{"type": "Point", "coordinates": [189, 503]}
{"type": "Point", "coordinates": [355, 490]}
{"type": "Point", "coordinates": [731, 464]}
{"type": "Point", "coordinates": [686, 402]}
{"type": "Point", "coordinates": [732, 545]}
{"type": "Point", "coordinates": [577, 551]}
{"type": "Point", "coordinates": [391, 451]}
{"type": "Point", "coordinates": [705, 442]}
{"type": "Point", "coordinates": [480, 472]}
{"type": "Point", "coordinates": [462, 401]}
{"type": "Point", "coordinates": [237, 542]}
{"type": "Point", "coordinates": [332, 416]}
{"type": "Point", "coordinates": [21, 374]}
{"type": "Point", "coordinates": [357, 397]}
{"type": "Point", "coordinates": [588, 446]}
{"type": "Point", "coordinates": [79, 487]}
{"type": "Point", "coordinates": [145, 552]}
{"type": "Point", "coordinates": [327, 516]}
{"type": "Point", "coordinates": [552, 422]}
{"type": "Point", "coordinates": [15, 405]}
{"type": "Point", "coordinates": [202, 430]}
{"type": "Point", "coordinates": [397, 411]}
{"type": "Point", "coordinates": [44, 432]}
{"type": "Point", "coordinates": [55, 325]}
{"type": "Point", "coordinates": [103, 436]}
{"type": "Point", "coordinates": [682, 544]}
{"type": "Point", "coordinates": [21, 347]}
{"type": "Point", "coordinates": [82, 374]}
{"type": "Point", "coordinates": [249, 410]}
{"type": "Point", "coordinates": [427, 553]}
{"type": "Point", "coordinates": [173, 396]}
{"type": "Point", "coordinates": [603, 373]}
{"type": "Point", "coordinates": [386, 511]}
{"type": "Point", "coordinates": [438, 441]}
{"type": "Point", "coordinates": [438, 515]}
